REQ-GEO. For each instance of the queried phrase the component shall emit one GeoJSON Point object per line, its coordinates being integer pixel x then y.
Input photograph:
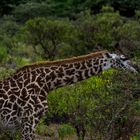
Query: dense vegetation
{"type": "Point", "coordinates": [102, 107]}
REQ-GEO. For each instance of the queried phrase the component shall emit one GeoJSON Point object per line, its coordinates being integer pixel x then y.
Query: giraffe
{"type": "Point", "coordinates": [23, 96]}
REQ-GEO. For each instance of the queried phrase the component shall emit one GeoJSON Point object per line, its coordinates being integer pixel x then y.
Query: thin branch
{"type": "Point", "coordinates": [111, 123]}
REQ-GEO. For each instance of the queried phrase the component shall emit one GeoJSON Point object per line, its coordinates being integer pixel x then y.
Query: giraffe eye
{"type": "Point", "coordinates": [123, 58]}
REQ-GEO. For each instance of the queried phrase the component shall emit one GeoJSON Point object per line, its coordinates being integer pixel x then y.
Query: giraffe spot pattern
{"type": "Point", "coordinates": [23, 95]}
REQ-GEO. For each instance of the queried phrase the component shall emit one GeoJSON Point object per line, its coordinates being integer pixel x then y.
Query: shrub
{"type": "Point", "coordinates": [97, 106]}
{"type": "Point", "coordinates": [98, 31]}
{"type": "Point", "coordinates": [3, 54]}
{"type": "Point", "coordinates": [65, 130]}
{"type": "Point", "coordinates": [129, 31]}
{"type": "Point", "coordinates": [26, 11]}
{"type": "Point", "coordinates": [8, 27]}
{"type": "Point", "coordinates": [46, 36]}
{"type": "Point", "coordinates": [5, 72]}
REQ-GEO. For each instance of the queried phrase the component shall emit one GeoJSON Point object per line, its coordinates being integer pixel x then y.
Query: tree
{"type": "Point", "coordinates": [30, 10]}
{"type": "Point", "coordinates": [128, 37]}
{"type": "Point", "coordinates": [6, 6]}
{"type": "Point", "coordinates": [98, 31]}
{"type": "Point", "coordinates": [47, 36]}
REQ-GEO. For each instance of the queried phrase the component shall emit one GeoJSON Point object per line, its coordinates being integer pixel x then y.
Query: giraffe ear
{"type": "Point", "coordinates": [117, 45]}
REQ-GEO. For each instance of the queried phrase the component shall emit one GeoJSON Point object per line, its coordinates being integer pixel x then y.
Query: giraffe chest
{"type": "Point", "coordinates": [9, 119]}
{"type": "Point", "coordinates": [11, 124]}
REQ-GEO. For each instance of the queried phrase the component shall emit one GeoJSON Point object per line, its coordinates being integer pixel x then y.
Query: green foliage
{"type": "Point", "coordinates": [7, 135]}
{"type": "Point", "coordinates": [65, 130]}
{"type": "Point", "coordinates": [107, 9]}
{"type": "Point", "coordinates": [137, 15]}
{"type": "Point", "coordinates": [100, 29]}
{"type": "Point", "coordinates": [107, 28]}
{"type": "Point", "coordinates": [24, 9]}
{"type": "Point", "coordinates": [101, 107]}
{"type": "Point", "coordinates": [126, 7]}
{"type": "Point", "coordinates": [129, 35]}
{"type": "Point", "coordinates": [57, 38]}
{"type": "Point", "coordinates": [5, 73]}
{"type": "Point", "coordinates": [7, 6]}
{"type": "Point", "coordinates": [136, 137]}
{"type": "Point", "coordinates": [51, 8]}
{"type": "Point", "coordinates": [19, 61]}
{"type": "Point", "coordinates": [97, 105]}
{"type": "Point", "coordinates": [42, 129]}
{"type": "Point", "coordinates": [3, 54]}
{"type": "Point", "coordinates": [10, 42]}
{"type": "Point", "coordinates": [130, 31]}
{"type": "Point", "coordinates": [8, 26]}
{"type": "Point", "coordinates": [30, 10]}
{"type": "Point", "coordinates": [47, 34]}
{"type": "Point", "coordinates": [8, 30]}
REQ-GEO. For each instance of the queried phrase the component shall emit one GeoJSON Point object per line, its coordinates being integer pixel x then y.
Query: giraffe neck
{"type": "Point", "coordinates": [73, 72]}
{"type": "Point", "coordinates": [41, 78]}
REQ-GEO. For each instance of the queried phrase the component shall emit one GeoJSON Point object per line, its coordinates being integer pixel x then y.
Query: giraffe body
{"type": "Point", "coordinates": [23, 96]}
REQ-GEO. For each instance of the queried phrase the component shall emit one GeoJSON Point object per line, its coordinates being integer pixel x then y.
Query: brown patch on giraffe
{"type": "Point", "coordinates": [7, 104]}
{"type": "Point", "coordinates": [2, 91]}
{"type": "Point", "coordinates": [60, 72]}
{"type": "Point", "coordinates": [69, 79]}
{"type": "Point", "coordinates": [15, 106]}
{"type": "Point", "coordinates": [4, 96]}
{"type": "Point", "coordinates": [1, 102]}
{"type": "Point", "coordinates": [92, 72]}
{"type": "Point", "coordinates": [77, 65]}
{"type": "Point", "coordinates": [83, 66]}
{"type": "Point", "coordinates": [53, 68]}
{"type": "Point", "coordinates": [9, 92]}
{"type": "Point", "coordinates": [6, 85]}
{"type": "Point", "coordinates": [49, 85]}
{"type": "Point", "coordinates": [86, 73]}
{"type": "Point", "coordinates": [40, 81]}
{"type": "Point", "coordinates": [12, 98]}
{"type": "Point", "coordinates": [57, 83]}
{"type": "Point", "coordinates": [45, 88]}
{"type": "Point", "coordinates": [70, 71]}
{"type": "Point", "coordinates": [79, 76]}
{"type": "Point", "coordinates": [52, 75]}
{"type": "Point", "coordinates": [89, 64]}
{"type": "Point", "coordinates": [13, 83]}
{"type": "Point", "coordinates": [24, 95]}
{"type": "Point", "coordinates": [14, 89]}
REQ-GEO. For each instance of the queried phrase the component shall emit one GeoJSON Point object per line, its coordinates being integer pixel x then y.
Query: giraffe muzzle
{"type": "Point", "coordinates": [134, 67]}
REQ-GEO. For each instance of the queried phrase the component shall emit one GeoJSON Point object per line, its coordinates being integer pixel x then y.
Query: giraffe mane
{"type": "Point", "coordinates": [63, 61]}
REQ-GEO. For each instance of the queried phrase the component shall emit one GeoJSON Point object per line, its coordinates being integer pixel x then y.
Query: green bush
{"type": "Point", "coordinates": [47, 36]}
{"type": "Point", "coordinates": [65, 130]}
{"type": "Point", "coordinates": [97, 105]}
{"type": "Point", "coordinates": [8, 27]}
{"type": "Point", "coordinates": [106, 29]}
{"type": "Point", "coordinates": [136, 137]}
{"type": "Point", "coordinates": [5, 73]}
{"type": "Point", "coordinates": [129, 31]}
{"type": "Point", "coordinates": [98, 31]}
{"type": "Point", "coordinates": [3, 54]}
{"type": "Point", "coordinates": [100, 107]}
{"type": "Point", "coordinates": [26, 11]}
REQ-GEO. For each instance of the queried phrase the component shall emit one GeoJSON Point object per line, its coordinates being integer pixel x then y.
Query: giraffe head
{"type": "Point", "coordinates": [122, 62]}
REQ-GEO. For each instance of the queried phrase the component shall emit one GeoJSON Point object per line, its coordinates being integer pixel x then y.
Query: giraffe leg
{"type": "Point", "coordinates": [29, 123]}
{"type": "Point", "coordinates": [28, 127]}
{"type": "Point", "coordinates": [27, 131]}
